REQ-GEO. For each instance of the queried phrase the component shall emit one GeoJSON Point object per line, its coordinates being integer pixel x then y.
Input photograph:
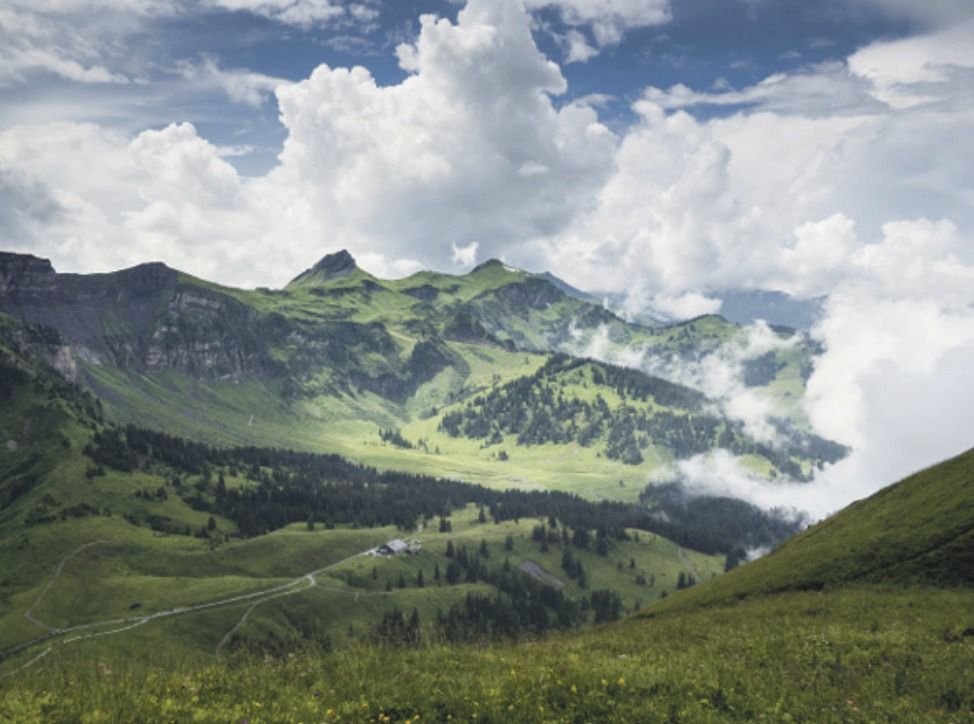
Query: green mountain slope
{"type": "Point", "coordinates": [918, 531]}
{"type": "Point", "coordinates": [339, 355]}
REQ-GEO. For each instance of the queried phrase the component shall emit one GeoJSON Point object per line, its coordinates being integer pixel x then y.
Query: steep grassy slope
{"type": "Point", "coordinates": [918, 531]}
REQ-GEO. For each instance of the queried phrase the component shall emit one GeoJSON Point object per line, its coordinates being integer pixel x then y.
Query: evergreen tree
{"type": "Point", "coordinates": [419, 579]}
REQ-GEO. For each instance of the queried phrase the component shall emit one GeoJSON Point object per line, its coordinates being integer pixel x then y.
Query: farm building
{"type": "Point", "coordinates": [396, 546]}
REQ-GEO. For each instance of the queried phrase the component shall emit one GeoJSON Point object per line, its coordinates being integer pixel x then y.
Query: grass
{"type": "Point", "coordinates": [859, 654]}
{"type": "Point", "coordinates": [917, 531]}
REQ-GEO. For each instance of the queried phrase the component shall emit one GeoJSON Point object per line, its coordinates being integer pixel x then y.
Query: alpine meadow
{"type": "Point", "coordinates": [487, 361]}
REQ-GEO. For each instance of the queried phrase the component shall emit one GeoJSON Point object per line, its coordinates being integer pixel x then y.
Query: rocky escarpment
{"type": "Point", "coordinates": [211, 335]}
{"type": "Point", "coordinates": [26, 273]}
{"type": "Point", "coordinates": [148, 317]}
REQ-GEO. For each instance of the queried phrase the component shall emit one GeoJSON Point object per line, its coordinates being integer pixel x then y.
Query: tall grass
{"type": "Point", "coordinates": [859, 654]}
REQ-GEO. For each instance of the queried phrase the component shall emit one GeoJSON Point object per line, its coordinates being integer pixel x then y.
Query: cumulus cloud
{"type": "Point", "coordinates": [470, 145]}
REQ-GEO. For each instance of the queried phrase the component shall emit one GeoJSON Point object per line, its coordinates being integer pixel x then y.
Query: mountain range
{"type": "Point", "coordinates": [338, 356]}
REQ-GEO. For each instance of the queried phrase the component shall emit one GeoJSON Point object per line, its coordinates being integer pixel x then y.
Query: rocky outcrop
{"type": "Point", "coordinates": [25, 273]}
{"type": "Point", "coordinates": [147, 317]}
{"type": "Point", "coordinates": [207, 334]}
{"type": "Point", "coordinates": [331, 266]}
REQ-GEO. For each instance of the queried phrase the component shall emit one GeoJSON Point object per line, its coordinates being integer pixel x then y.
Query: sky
{"type": "Point", "coordinates": [660, 149]}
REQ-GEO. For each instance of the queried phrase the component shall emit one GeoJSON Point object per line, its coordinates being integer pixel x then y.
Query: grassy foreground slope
{"type": "Point", "coordinates": [918, 531]}
{"type": "Point", "coordinates": [842, 624]}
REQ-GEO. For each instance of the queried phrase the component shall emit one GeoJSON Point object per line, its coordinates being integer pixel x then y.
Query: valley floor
{"type": "Point", "coordinates": [848, 654]}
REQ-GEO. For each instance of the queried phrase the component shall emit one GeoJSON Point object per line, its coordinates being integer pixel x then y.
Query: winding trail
{"type": "Point", "coordinates": [29, 613]}
{"type": "Point", "coordinates": [126, 624]}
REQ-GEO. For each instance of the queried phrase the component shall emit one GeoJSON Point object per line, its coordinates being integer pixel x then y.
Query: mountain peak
{"type": "Point", "coordinates": [331, 266]}
{"type": "Point", "coordinates": [339, 263]}
{"type": "Point", "coordinates": [493, 264]}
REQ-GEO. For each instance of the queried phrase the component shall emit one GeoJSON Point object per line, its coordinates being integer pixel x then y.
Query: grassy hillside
{"type": "Point", "coordinates": [853, 655]}
{"type": "Point", "coordinates": [919, 531]}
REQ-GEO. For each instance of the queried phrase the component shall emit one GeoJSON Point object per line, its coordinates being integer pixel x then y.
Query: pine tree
{"type": "Point", "coordinates": [419, 579]}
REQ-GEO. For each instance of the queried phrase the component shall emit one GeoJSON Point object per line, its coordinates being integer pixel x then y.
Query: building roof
{"type": "Point", "coordinates": [396, 545]}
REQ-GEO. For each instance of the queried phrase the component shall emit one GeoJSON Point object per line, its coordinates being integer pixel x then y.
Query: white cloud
{"type": "Point", "coordinates": [303, 13]}
{"type": "Point", "coordinates": [686, 305]}
{"type": "Point", "coordinates": [577, 48]}
{"type": "Point", "coordinates": [465, 255]}
{"type": "Point", "coordinates": [608, 20]}
{"type": "Point", "coordinates": [240, 85]}
{"type": "Point", "coordinates": [913, 71]}
{"type": "Point", "coordinates": [468, 146]}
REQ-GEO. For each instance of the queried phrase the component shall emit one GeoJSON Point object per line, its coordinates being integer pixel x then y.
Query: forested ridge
{"type": "Point", "coordinates": [547, 407]}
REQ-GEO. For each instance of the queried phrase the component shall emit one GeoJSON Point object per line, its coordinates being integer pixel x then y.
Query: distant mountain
{"type": "Point", "coordinates": [339, 355]}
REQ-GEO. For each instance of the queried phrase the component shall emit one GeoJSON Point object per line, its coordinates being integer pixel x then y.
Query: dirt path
{"type": "Point", "coordinates": [129, 623]}
{"type": "Point", "coordinates": [29, 613]}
